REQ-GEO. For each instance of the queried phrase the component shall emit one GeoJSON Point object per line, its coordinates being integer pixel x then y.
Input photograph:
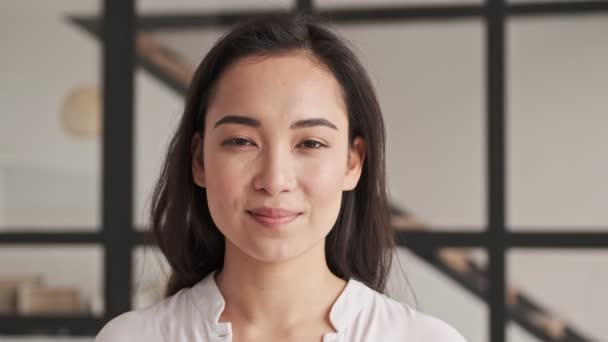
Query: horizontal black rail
{"type": "Point", "coordinates": [557, 8]}
{"type": "Point", "coordinates": [56, 325]}
{"type": "Point", "coordinates": [168, 21]}
{"type": "Point", "coordinates": [51, 237]}
{"type": "Point", "coordinates": [429, 238]}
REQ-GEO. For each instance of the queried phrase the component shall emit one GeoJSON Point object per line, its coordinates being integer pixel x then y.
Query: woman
{"type": "Point", "coordinates": [271, 208]}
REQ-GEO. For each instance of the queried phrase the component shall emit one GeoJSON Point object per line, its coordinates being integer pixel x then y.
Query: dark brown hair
{"type": "Point", "coordinates": [360, 244]}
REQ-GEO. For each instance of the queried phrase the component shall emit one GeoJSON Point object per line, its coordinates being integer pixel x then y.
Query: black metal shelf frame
{"type": "Point", "coordinates": [117, 235]}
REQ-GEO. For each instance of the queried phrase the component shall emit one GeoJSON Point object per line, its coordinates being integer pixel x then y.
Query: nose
{"type": "Point", "coordinates": [275, 173]}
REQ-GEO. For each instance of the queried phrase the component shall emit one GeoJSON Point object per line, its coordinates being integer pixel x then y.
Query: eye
{"type": "Point", "coordinates": [312, 144]}
{"type": "Point", "coordinates": [237, 142]}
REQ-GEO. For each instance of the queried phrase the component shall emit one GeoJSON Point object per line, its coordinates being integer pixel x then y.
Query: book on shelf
{"type": "Point", "coordinates": [37, 300]}
{"type": "Point", "coordinates": [9, 287]}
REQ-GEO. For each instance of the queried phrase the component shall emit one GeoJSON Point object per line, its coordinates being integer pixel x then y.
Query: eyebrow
{"type": "Point", "coordinates": [249, 121]}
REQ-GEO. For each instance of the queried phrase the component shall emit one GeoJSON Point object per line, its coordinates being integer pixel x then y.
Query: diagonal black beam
{"type": "Point", "coordinates": [159, 73]}
{"type": "Point", "coordinates": [522, 312]}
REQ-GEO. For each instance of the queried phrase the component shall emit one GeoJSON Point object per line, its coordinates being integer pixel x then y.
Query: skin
{"type": "Point", "coordinates": [276, 282]}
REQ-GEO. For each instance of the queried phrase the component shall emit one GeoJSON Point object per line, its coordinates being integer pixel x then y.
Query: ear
{"type": "Point", "coordinates": [198, 169]}
{"type": "Point", "coordinates": [356, 157]}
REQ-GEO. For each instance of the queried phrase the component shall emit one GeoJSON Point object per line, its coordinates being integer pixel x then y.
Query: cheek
{"type": "Point", "coordinates": [329, 169]}
{"type": "Point", "coordinates": [224, 188]}
{"type": "Point", "coordinates": [322, 182]}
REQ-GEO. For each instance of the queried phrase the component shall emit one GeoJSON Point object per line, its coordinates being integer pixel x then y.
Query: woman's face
{"type": "Point", "coordinates": [275, 157]}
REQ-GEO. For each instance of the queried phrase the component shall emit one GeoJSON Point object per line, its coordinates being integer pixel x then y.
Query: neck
{"type": "Point", "coordinates": [274, 294]}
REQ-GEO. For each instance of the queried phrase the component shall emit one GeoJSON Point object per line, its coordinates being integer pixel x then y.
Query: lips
{"type": "Point", "coordinates": [273, 212]}
{"type": "Point", "coordinates": [273, 217]}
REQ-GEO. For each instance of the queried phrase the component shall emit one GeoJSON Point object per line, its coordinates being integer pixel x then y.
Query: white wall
{"type": "Point", "coordinates": [429, 79]}
{"type": "Point", "coordinates": [557, 119]}
{"type": "Point", "coordinates": [43, 59]}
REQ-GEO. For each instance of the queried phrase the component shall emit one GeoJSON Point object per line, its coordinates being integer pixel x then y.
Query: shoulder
{"type": "Point", "coordinates": [123, 328]}
{"type": "Point", "coordinates": [151, 324]}
{"type": "Point", "coordinates": [405, 323]}
{"type": "Point", "coordinates": [429, 328]}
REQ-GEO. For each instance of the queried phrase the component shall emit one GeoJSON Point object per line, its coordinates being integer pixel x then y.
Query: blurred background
{"type": "Point", "coordinates": [497, 155]}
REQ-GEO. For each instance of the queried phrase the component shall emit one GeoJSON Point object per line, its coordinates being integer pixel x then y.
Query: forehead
{"type": "Point", "coordinates": [278, 88]}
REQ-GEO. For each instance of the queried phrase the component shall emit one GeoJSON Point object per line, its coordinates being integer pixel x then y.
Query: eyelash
{"type": "Point", "coordinates": [246, 142]}
{"type": "Point", "coordinates": [233, 142]}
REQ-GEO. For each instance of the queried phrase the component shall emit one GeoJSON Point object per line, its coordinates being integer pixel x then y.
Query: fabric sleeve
{"type": "Point", "coordinates": [432, 329]}
{"type": "Point", "coordinates": [120, 329]}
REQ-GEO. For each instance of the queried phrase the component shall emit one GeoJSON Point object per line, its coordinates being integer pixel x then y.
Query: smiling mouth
{"type": "Point", "coordinates": [273, 221]}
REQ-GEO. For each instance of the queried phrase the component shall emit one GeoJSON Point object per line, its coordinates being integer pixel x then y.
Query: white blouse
{"type": "Point", "coordinates": [359, 314]}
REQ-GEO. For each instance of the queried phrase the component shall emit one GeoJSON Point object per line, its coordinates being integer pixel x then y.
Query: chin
{"type": "Point", "coordinates": [275, 252]}
{"type": "Point", "coordinates": [274, 255]}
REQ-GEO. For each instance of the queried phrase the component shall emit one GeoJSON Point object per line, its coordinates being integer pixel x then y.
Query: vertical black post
{"type": "Point", "coordinates": [118, 60]}
{"type": "Point", "coordinates": [304, 6]}
{"type": "Point", "coordinates": [495, 78]}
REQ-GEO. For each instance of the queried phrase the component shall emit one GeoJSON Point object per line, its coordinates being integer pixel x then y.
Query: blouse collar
{"type": "Point", "coordinates": [350, 302]}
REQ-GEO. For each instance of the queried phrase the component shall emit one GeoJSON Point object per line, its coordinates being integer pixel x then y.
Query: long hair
{"type": "Point", "coordinates": [360, 245]}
